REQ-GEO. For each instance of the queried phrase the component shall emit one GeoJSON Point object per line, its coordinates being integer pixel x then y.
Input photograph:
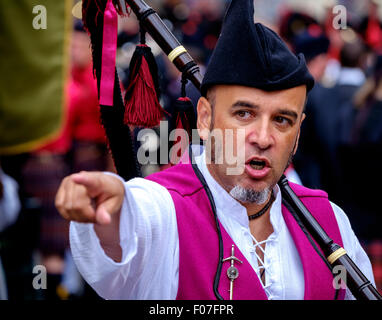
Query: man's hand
{"type": "Point", "coordinates": [90, 197]}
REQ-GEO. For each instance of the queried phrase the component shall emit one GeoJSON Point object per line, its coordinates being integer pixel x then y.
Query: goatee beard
{"type": "Point", "coordinates": [249, 195]}
{"type": "Point", "coordinates": [252, 196]}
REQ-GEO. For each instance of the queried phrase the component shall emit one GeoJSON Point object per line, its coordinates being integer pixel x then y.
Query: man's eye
{"type": "Point", "coordinates": [243, 114]}
{"type": "Point", "coordinates": [283, 121]}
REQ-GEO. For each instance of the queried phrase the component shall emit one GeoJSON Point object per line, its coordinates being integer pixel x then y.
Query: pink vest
{"type": "Point", "coordinates": [199, 247]}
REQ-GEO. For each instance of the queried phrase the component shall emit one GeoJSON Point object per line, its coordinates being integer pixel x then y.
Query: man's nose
{"type": "Point", "coordinates": [260, 135]}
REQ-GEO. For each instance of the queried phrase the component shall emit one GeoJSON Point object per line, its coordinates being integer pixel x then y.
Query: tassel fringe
{"type": "Point", "coordinates": [142, 106]}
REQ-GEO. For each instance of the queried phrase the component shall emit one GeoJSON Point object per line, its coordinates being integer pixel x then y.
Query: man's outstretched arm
{"type": "Point", "coordinates": [94, 197]}
{"type": "Point", "coordinates": [124, 241]}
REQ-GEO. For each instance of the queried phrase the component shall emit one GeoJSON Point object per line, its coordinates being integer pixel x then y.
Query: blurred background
{"type": "Point", "coordinates": [50, 119]}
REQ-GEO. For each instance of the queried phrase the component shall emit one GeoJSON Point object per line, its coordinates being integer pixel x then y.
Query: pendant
{"type": "Point", "coordinates": [232, 272]}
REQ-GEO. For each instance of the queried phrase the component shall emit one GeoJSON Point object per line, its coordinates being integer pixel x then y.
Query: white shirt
{"type": "Point", "coordinates": [9, 211]}
{"type": "Point", "coordinates": [150, 245]}
{"type": "Point", "coordinates": [351, 76]}
{"type": "Point", "coordinates": [10, 202]}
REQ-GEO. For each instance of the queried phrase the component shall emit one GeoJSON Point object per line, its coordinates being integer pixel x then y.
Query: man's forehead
{"type": "Point", "coordinates": [235, 95]}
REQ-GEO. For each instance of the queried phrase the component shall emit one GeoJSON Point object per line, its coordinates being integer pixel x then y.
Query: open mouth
{"type": "Point", "coordinates": [257, 164]}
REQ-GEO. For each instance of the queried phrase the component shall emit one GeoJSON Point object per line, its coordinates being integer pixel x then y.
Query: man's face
{"type": "Point", "coordinates": [271, 123]}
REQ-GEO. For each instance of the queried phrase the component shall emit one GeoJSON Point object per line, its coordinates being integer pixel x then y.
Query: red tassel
{"type": "Point", "coordinates": [185, 115]}
{"type": "Point", "coordinates": [183, 118]}
{"type": "Point", "coordinates": [142, 107]}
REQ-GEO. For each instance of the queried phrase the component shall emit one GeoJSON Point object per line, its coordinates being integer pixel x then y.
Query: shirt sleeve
{"type": "Point", "coordinates": [9, 203]}
{"type": "Point", "coordinates": [150, 247]}
{"type": "Point", "coordinates": [353, 247]}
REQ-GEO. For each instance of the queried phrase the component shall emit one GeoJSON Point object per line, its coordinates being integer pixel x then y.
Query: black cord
{"type": "Point", "coordinates": [141, 18]}
{"type": "Point", "coordinates": [142, 34]}
{"type": "Point", "coordinates": [145, 14]}
{"type": "Point", "coordinates": [184, 83]}
{"type": "Point", "coordinates": [262, 211]}
{"type": "Point", "coordinates": [213, 207]}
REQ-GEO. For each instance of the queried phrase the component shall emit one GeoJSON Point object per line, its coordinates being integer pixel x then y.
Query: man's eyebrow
{"type": "Point", "coordinates": [290, 113]}
{"type": "Point", "coordinates": [246, 104]}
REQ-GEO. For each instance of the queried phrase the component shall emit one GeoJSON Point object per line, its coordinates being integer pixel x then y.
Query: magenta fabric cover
{"type": "Point", "coordinates": [109, 50]}
{"type": "Point", "coordinates": [199, 246]}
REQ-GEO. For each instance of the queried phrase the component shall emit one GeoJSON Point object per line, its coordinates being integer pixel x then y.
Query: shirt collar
{"type": "Point", "coordinates": [230, 208]}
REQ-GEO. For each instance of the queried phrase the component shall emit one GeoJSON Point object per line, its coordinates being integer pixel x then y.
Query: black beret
{"type": "Point", "coordinates": [311, 42]}
{"type": "Point", "coordinates": [78, 26]}
{"type": "Point", "coordinates": [294, 23]}
{"type": "Point", "coordinates": [252, 55]}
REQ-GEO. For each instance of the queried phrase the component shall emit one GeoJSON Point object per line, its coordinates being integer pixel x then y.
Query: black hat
{"type": "Point", "coordinates": [252, 55]}
{"type": "Point", "coordinates": [78, 26]}
{"type": "Point", "coordinates": [293, 23]}
{"type": "Point", "coordinates": [312, 42]}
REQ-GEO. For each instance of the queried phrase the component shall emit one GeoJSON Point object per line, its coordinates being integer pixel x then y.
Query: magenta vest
{"type": "Point", "coordinates": [199, 247]}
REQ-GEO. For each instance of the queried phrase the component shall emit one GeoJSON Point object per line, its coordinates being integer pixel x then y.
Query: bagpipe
{"type": "Point", "coordinates": [141, 108]}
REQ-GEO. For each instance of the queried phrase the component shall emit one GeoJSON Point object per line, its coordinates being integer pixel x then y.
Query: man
{"type": "Point", "coordinates": [314, 44]}
{"type": "Point", "coordinates": [157, 238]}
{"type": "Point", "coordinates": [330, 115]}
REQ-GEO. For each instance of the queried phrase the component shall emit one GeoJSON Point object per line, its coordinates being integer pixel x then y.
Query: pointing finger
{"type": "Point", "coordinates": [90, 180]}
{"type": "Point", "coordinates": [80, 205]}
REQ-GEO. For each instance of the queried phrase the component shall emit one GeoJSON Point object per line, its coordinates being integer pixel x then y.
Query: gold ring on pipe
{"type": "Point", "coordinates": [336, 254]}
{"type": "Point", "coordinates": [176, 53]}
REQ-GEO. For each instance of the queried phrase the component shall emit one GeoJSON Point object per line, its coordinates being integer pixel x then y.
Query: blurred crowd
{"type": "Point", "coordinates": [340, 148]}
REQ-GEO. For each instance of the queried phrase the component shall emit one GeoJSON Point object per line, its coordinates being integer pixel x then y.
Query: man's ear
{"type": "Point", "coordinates": [298, 134]}
{"type": "Point", "coordinates": [204, 110]}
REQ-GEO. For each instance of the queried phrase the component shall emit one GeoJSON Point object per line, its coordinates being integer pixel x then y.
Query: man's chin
{"type": "Point", "coordinates": [249, 195]}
